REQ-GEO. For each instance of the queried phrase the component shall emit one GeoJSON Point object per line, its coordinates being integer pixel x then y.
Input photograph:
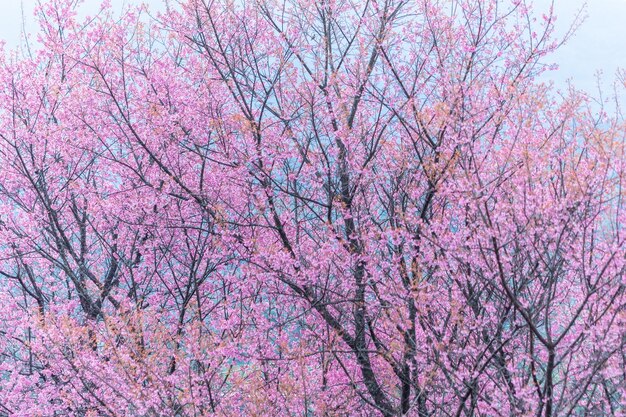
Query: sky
{"type": "Point", "coordinates": [599, 44]}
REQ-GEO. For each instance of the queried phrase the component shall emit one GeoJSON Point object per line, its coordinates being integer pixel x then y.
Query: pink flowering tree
{"type": "Point", "coordinates": [296, 208]}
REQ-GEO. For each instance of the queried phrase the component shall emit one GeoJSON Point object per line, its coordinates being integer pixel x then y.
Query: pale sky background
{"type": "Point", "coordinates": [598, 45]}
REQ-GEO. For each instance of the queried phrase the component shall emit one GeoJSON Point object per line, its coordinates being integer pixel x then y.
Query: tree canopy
{"type": "Point", "coordinates": [306, 208]}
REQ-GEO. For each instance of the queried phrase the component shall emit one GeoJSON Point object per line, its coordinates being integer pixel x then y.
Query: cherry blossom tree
{"type": "Point", "coordinates": [295, 208]}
